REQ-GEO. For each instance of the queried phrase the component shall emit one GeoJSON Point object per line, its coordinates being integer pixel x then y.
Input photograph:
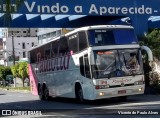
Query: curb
{"type": "Point", "coordinates": [13, 90]}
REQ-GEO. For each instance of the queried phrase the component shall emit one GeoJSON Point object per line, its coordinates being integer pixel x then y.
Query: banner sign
{"type": "Point", "coordinates": [86, 7]}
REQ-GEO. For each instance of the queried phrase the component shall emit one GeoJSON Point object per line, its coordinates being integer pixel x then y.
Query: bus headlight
{"type": "Point", "coordinates": [140, 89]}
{"type": "Point", "coordinates": [101, 93]}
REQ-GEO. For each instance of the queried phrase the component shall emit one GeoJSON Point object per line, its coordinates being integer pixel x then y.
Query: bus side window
{"type": "Point", "coordinates": [54, 51]}
{"type": "Point", "coordinates": [32, 56]}
{"type": "Point", "coordinates": [83, 43]}
{"type": "Point", "coordinates": [73, 42]}
{"type": "Point", "coordinates": [63, 46]}
{"type": "Point", "coordinates": [47, 51]}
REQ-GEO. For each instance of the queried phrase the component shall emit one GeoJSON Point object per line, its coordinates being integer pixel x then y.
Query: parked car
{"type": "Point", "coordinates": [9, 79]}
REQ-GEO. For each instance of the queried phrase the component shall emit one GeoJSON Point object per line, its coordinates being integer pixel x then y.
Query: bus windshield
{"type": "Point", "coordinates": [112, 37]}
{"type": "Point", "coordinates": [117, 63]}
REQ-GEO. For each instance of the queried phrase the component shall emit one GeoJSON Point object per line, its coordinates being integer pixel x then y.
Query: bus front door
{"type": "Point", "coordinates": [84, 66]}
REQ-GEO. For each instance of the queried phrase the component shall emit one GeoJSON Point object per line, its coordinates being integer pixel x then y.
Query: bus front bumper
{"type": "Point", "coordinates": [119, 91]}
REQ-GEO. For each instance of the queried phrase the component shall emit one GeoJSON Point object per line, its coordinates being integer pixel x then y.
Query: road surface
{"type": "Point", "coordinates": [138, 106]}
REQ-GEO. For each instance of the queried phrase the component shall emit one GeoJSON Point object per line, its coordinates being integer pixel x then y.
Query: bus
{"type": "Point", "coordinates": [89, 63]}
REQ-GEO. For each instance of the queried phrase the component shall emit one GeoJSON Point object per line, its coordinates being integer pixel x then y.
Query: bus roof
{"type": "Point", "coordinates": [99, 27]}
{"type": "Point", "coordinates": [85, 29]}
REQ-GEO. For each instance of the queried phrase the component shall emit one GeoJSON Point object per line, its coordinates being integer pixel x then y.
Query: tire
{"type": "Point", "coordinates": [46, 93]}
{"type": "Point", "coordinates": [79, 95]}
{"type": "Point", "coordinates": [40, 93]}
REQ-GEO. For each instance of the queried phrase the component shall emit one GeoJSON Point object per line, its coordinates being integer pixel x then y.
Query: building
{"type": "Point", "coordinates": [19, 32]}
{"type": "Point", "coordinates": [23, 38]}
{"type": "Point", "coordinates": [1, 52]}
{"type": "Point", "coordinates": [47, 34]}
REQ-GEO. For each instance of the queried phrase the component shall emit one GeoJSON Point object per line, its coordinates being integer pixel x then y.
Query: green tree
{"type": "Point", "coordinates": [23, 71]}
{"type": "Point", "coordinates": [15, 70]}
{"type": "Point", "coordinates": [4, 71]}
{"type": "Point", "coordinates": [7, 71]}
{"type": "Point", "coordinates": [152, 40]}
{"type": "Point", "coordinates": [20, 70]}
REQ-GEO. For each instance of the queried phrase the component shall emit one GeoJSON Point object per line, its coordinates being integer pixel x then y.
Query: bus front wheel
{"type": "Point", "coordinates": [79, 95]}
{"type": "Point", "coordinates": [40, 93]}
{"type": "Point", "coordinates": [46, 93]}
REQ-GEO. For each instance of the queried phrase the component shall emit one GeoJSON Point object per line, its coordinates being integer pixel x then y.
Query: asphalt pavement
{"type": "Point", "coordinates": [25, 104]}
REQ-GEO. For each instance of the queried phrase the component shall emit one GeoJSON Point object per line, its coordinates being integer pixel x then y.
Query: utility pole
{"type": "Point", "coordinates": [13, 53]}
{"type": "Point", "coordinates": [13, 56]}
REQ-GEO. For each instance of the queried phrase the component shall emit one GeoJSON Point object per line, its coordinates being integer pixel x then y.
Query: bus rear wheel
{"type": "Point", "coordinates": [79, 95]}
{"type": "Point", "coordinates": [46, 93]}
{"type": "Point", "coordinates": [40, 93]}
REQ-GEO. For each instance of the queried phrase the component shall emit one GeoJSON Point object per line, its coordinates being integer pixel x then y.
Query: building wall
{"type": "Point", "coordinates": [1, 52]}
{"type": "Point", "coordinates": [22, 32]}
{"type": "Point", "coordinates": [24, 39]}
{"type": "Point", "coordinates": [47, 34]}
{"type": "Point", "coordinates": [19, 32]}
{"type": "Point", "coordinates": [20, 50]}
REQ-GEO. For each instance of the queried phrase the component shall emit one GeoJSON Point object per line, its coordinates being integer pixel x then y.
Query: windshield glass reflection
{"type": "Point", "coordinates": [117, 63]}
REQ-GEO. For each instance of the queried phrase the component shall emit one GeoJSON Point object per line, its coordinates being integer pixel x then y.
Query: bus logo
{"type": "Point", "coordinates": [122, 84]}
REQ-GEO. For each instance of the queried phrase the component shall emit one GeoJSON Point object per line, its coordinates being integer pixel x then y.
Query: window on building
{"type": "Point", "coordinates": [53, 34]}
{"type": "Point", "coordinates": [32, 44]}
{"type": "Point", "coordinates": [58, 32]}
{"type": "Point", "coordinates": [24, 54]}
{"type": "Point", "coordinates": [18, 43]}
{"type": "Point", "coordinates": [44, 36]}
{"type": "Point", "coordinates": [24, 32]}
{"type": "Point", "coordinates": [23, 46]}
{"type": "Point", "coordinates": [28, 43]}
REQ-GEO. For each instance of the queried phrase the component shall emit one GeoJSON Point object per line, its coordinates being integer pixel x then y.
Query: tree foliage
{"type": "Point", "coordinates": [4, 71]}
{"type": "Point", "coordinates": [20, 70]}
{"type": "Point", "coordinates": [152, 40]}
{"type": "Point", "coordinates": [15, 70]}
{"type": "Point", "coordinates": [23, 71]}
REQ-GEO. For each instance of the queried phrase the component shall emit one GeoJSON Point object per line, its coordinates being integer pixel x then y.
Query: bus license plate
{"type": "Point", "coordinates": [121, 91]}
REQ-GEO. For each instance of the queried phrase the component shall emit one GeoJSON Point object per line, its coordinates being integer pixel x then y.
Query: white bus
{"type": "Point", "coordinates": [89, 63]}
